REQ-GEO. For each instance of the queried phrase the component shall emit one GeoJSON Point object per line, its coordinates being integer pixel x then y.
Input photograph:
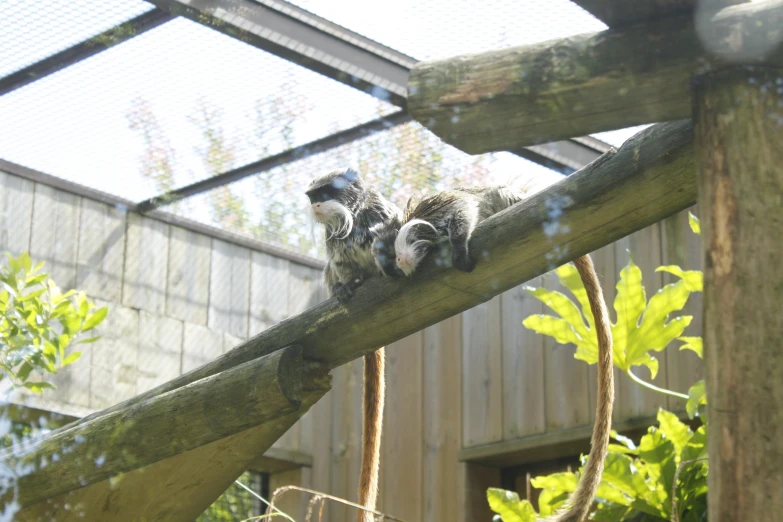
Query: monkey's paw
{"type": "Point", "coordinates": [462, 261]}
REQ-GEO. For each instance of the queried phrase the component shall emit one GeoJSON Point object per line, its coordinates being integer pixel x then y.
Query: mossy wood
{"type": "Point", "coordinates": [521, 96]}
{"type": "Point", "coordinates": [648, 179]}
{"type": "Point", "coordinates": [169, 424]}
{"type": "Point", "coordinates": [176, 489]}
{"type": "Point", "coordinates": [738, 116]}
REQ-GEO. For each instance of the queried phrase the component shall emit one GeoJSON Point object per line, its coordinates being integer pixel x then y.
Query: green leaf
{"type": "Point", "coordinates": [553, 327]}
{"type": "Point", "coordinates": [674, 430]}
{"type": "Point", "coordinates": [694, 279]}
{"type": "Point", "coordinates": [628, 305]}
{"type": "Point", "coordinates": [24, 371]}
{"type": "Point", "coordinates": [72, 358]}
{"type": "Point", "coordinates": [509, 507]}
{"type": "Point", "coordinates": [692, 343]}
{"type": "Point", "coordinates": [563, 306]}
{"type": "Point", "coordinates": [34, 280]}
{"type": "Point", "coordinates": [95, 319]}
{"type": "Point", "coordinates": [697, 396]}
{"type": "Point", "coordinates": [25, 261]}
{"type": "Point", "coordinates": [38, 387]}
{"type": "Point", "coordinates": [84, 306]}
{"type": "Point", "coordinates": [694, 222]}
{"type": "Point", "coordinates": [90, 340]}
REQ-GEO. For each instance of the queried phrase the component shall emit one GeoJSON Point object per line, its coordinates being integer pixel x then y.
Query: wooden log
{"type": "Point", "coordinates": [649, 178]}
{"type": "Point", "coordinates": [166, 425]}
{"type": "Point", "coordinates": [177, 489]}
{"type": "Point", "coordinates": [521, 96]}
{"type": "Point", "coordinates": [738, 117]}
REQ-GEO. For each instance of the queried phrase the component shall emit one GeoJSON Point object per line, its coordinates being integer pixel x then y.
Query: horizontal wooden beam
{"type": "Point", "coordinates": [521, 96]}
{"type": "Point", "coordinates": [649, 178]}
{"type": "Point", "coordinates": [169, 424]}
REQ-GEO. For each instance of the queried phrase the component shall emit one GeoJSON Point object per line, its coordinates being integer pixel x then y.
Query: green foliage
{"type": "Point", "coordinates": [509, 507]}
{"type": "Point", "coordinates": [638, 482]}
{"type": "Point", "coordinates": [39, 324]}
{"type": "Point", "coordinates": [641, 325]}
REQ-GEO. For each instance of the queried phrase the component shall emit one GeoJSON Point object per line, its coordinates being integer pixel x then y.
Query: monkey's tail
{"type": "Point", "coordinates": [372, 426]}
{"type": "Point", "coordinates": [578, 505]}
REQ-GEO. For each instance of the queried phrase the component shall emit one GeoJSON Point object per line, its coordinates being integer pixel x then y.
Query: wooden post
{"type": "Point", "coordinates": [738, 118]}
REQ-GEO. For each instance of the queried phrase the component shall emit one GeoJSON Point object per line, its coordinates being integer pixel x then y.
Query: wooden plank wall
{"type": "Point", "coordinates": [177, 298]}
{"type": "Point", "coordinates": [180, 298]}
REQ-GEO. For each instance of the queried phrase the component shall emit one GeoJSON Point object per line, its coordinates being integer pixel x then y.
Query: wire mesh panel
{"type": "Point", "coordinates": [31, 31]}
{"type": "Point", "coordinates": [433, 29]}
{"type": "Point", "coordinates": [400, 162]}
{"type": "Point", "coordinates": [177, 104]}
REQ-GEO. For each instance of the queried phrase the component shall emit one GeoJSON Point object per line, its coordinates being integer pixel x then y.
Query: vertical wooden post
{"type": "Point", "coordinates": [738, 118]}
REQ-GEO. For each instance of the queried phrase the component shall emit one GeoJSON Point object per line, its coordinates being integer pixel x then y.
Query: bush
{"type": "Point", "coordinates": [39, 325]}
{"type": "Point", "coordinates": [665, 476]}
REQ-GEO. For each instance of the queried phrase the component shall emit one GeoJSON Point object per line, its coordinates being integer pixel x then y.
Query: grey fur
{"type": "Point", "coordinates": [454, 215]}
{"type": "Point", "coordinates": [350, 260]}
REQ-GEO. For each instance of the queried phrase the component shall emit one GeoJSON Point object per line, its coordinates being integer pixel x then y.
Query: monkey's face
{"type": "Point", "coordinates": [328, 209]}
{"type": "Point", "coordinates": [413, 243]}
{"type": "Point", "coordinates": [382, 250]}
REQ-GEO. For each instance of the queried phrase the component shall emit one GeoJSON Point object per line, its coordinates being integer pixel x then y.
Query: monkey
{"type": "Point", "coordinates": [352, 213]}
{"type": "Point", "coordinates": [453, 215]}
{"type": "Point", "coordinates": [450, 215]}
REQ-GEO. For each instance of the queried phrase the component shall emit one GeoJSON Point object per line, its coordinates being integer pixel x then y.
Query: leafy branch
{"type": "Point", "coordinates": [39, 324]}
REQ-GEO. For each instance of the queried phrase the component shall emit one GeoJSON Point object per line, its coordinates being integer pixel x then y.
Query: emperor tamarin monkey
{"type": "Point", "coordinates": [453, 215]}
{"type": "Point", "coordinates": [351, 212]}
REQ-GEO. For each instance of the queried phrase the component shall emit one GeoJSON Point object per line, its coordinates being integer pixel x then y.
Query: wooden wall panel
{"type": "Point", "coordinates": [200, 345]}
{"type": "Point", "coordinates": [146, 263]}
{"type": "Point", "coordinates": [682, 247]}
{"type": "Point", "coordinates": [268, 291]}
{"type": "Point", "coordinates": [101, 250]}
{"type": "Point", "coordinates": [482, 421]}
{"type": "Point", "coordinates": [159, 357]}
{"type": "Point", "coordinates": [524, 408]}
{"type": "Point", "coordinates": [402, 440]}
{"type": "Point", "coordinates": [645, 247]}
{"type": "Point", "coordinates": [442, 424]}
{"type": "Point", "coordinates": [229, 288]}
{"type": "Point", "coordinates": [114, 358]}
{"type": "Point", "coordinates": [55, 233]}
{"type": "Point", "coordinates": [187, 292]}
{"type": "Point", "coordinates": [566, 389]}
{"type": "Point", "coordinates": [16, 213]}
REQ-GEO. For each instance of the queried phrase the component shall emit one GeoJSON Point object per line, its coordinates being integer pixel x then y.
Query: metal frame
{"type": "Point", "coordinates": [312, 42]}
{"type": "Point", "coordinates": [305, 39]}
{"type": "Point", "coordinates": [83, 50]}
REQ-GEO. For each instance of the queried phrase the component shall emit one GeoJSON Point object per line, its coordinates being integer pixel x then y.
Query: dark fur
{"type": "Point", "coordinates": [454, 214]}
{"type": "Point", "coordinates": [350, 261]}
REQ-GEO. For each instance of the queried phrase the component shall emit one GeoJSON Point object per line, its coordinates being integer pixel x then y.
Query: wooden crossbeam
{"type": "Point", "coordinates": [521, 96]}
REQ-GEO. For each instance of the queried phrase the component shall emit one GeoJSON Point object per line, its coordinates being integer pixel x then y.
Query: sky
{"type": "Point", "coordinates": [74, 124]}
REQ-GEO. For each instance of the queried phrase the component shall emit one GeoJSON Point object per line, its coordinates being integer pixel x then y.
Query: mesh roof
{"type": "Point", "coordinates": [433, 29]}
{"type": "Point", "coordinates": [31, 31]}
{"type": "Point", "coordinates": [401, 162]}
{"type": "Point", "coordinates": [138, 119]}
{"type": "Point", "coordinates": [182, 103]}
